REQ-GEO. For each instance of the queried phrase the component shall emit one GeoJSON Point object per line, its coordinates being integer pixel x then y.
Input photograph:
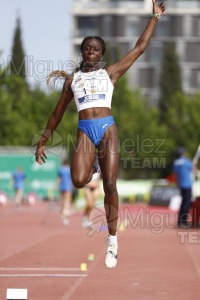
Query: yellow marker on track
{"type": "Point", "coordinates": [83, 267]}
{"type": "Point", "coordinates": [91, 257]}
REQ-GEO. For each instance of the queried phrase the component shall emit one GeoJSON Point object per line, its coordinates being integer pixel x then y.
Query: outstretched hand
{"type": "Point", "coordinates": [40, 156]}
{"type": "Point", "coordinates": [159, 9]}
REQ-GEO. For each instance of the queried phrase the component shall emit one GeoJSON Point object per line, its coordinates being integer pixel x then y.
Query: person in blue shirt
{"type": "Point", "coordinates": [66, 191]}
{"type": "Point", "coordinates": [183, 171]}
{"type": "Point", "coordinates": [18, 178]}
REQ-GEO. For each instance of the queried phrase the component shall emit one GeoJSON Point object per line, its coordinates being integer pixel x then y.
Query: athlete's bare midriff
{"type": "Point", "coordinates": [94, 113]}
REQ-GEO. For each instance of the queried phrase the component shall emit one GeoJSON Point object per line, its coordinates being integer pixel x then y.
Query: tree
{"type": "Point", "coordinates": [15, 117]}
{"type": "Point", "coordinates": [170, 81]}
{"type": "Point", "coordinates": [144, 146]}
{"type": "Point", "coordinates": [17, 64]}
{"type": "Point", "coordinates": [142, 141]}
{"type": "Point", "coordinates": [183, 121]}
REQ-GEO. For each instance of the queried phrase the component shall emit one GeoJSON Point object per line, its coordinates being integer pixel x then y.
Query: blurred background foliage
{"type": "Point", "coordinates": [148, 136]}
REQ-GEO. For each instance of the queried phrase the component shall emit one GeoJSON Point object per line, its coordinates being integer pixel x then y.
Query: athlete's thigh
{"type": "Point", "coordinates": [84, 155]}
{"type": "Point", "coordinates": [108, 153]}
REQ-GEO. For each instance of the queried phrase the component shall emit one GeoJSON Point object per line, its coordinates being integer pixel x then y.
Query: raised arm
{"type": "Point", "coordinates": [54, 120]}
{"type": "Point", "coordinates": [116, 70]}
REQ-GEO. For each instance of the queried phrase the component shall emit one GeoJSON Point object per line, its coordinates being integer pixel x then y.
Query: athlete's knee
{"type": "Point", "coordinates": [110, 187]}
{"type": "Point", "coordinates": [79, 181]}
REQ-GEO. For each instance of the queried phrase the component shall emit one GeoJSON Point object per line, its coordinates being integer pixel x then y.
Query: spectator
{"type": "Point", "coordinates": [66, 190]}
{"type": "Point", "coordinates": [183, 168]}
{"type": "Point", "coordinates": [91, 191]}
{"type": "Point", "coordinates": [18, 178]}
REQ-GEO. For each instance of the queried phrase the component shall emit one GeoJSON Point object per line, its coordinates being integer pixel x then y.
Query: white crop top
{"type": "Point", "coordinates": [92, 89]}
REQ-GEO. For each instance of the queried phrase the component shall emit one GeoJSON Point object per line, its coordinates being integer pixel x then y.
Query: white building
{"type": "Point", "coordinates": [120, 23]}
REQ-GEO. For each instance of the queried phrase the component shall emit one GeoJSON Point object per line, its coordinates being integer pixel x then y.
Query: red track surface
{"type": "Point", "coordinates": [156, 261]}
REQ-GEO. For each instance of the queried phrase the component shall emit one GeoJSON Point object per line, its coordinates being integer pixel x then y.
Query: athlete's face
{"type": "Point", "coordinates": [92, 52]}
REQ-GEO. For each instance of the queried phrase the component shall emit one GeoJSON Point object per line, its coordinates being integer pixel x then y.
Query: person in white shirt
{"type": "Point", "coordinates": [91, 193]}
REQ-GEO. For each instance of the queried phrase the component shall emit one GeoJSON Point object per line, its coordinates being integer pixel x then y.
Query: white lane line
{"type": "Point", "coordinates": [43, 275]}
{"type": "Point", "coordinates": [39, 269]}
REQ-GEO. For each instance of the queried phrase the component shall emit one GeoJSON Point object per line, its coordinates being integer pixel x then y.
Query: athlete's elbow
{"type": "Point", "coordinates": [141, 48]}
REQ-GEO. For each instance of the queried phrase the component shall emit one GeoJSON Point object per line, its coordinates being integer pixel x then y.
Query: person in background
{"type": "Point", "coordinates": [18, 178]}
{"type": "Point", "coordinates": [183, 171]}
{"type": "Point", "coordinates": [66, 191]}
{"type": "Point", "coordinates": [91, 192]}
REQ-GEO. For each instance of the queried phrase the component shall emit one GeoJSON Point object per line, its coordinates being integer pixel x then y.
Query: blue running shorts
{"type": "Point", "coordinates": [95, 128]}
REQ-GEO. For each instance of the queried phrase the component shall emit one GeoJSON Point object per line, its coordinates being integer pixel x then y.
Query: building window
{"type": "Point", "coordinates": [193, 52]}
{"type": "Point", "coordinates": [107, 26]}
{"type": "Point", "coordinates": [163, 30]}
{"type": "Point", "coordinates": [195, 78]}
{"type": "Point", "coordinates": [196, 26]}
{"type": "Point", "coordinates": [154, 53]}
{"type": "Point", "coordinates": [132, 26]}
{"type": "Point", "coordinates": [88, 26]}
{"type": "Point", "coordinates": [176, 26]}
{"type": "Point", "coordinates": [146, 78]}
